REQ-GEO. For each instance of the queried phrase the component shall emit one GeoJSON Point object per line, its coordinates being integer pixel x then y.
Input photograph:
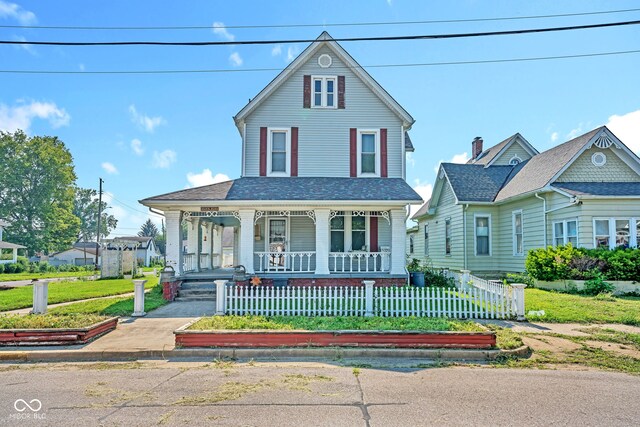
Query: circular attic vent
{"type": "Point", "coordinates": [324, 61]}
{"type": "Point", "coordinates": [599, 159]}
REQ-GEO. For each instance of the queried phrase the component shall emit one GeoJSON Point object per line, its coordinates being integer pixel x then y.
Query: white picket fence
{"type": "Point", "coordinates": [465, 302]}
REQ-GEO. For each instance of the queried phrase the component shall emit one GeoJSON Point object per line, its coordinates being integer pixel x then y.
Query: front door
{"type": "Point", "coordinates": [277, 243]}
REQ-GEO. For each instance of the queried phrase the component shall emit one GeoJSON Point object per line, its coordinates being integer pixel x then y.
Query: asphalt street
{"type": "Point", "coordinates": [311, 394]}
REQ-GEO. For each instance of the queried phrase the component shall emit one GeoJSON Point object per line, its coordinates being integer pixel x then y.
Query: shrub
{"type": "Point", "coordinates": [1, 268]}
{"type": "Point", "coordinates": [597, 286]}
{"type": "Point", "coordinates": [551, 263]}
{"type": "Point", "coordinates": [520, 278]}
{"type": "Point", "coordinates": [10, 268]}
{"type": "Point", "coordinates": [437, 278]}
{"type": "Point", "coordinates": [43, 266]}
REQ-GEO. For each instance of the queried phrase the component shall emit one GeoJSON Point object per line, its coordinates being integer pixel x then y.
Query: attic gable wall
{"type": "Point", "coordinates": [615, 170]}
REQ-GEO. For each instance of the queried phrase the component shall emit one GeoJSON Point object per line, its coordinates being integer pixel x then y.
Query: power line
{"type": "Point", "coordinates": [245, 70]}
{"type": "Point", "coordinates": [335, 24]}
{"type": "Point", "coordinates": [132, 208]}
{"type": "Point", "coordinates": [339, 39]}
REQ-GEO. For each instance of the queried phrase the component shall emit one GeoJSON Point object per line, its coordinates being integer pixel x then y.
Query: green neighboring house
{"type": "Point", "coordinates": [508, 199]}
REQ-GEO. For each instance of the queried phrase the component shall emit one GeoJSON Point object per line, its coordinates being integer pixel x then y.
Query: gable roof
{"type": "Point", "coordinates": [475, 183]}
{"type": "Point", "coordinates": [599, 188]}
{"type": "Point", "coordinates": [424, 209]}
{"type": "Point", "coordinates": [296, 189]}
{"type": "Point", "coordinates": [491, 154]}
{"type": "Point", "coordinates": [324, 40]}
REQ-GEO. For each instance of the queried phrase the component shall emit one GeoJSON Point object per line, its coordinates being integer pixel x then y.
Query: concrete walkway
{"type": "Point", "coordinates": [572, 329]}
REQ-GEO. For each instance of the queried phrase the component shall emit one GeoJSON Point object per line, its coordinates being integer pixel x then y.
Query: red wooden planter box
{"type": "Point", "coordinates": [57, 336]}
{"type": "Point", "coordinates": [379, 339]}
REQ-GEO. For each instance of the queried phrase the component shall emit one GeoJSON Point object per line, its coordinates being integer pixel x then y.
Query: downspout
{"type": "Point", "coordinates": [464, 234]}
{"type": "Point", "coordinates": [544, 216]}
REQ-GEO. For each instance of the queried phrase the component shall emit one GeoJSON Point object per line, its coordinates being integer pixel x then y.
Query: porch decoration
{"type": "Point", "coordinates": [256, 281]}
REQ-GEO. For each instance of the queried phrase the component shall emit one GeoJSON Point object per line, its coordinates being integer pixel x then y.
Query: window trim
{"type": "Point", "coordinates": [426, 239]}
{"type": "Point", "coordinates": [565, 231]}
{"type": "Point", "coordinates": [513, 232]}
{"type": "Point", "coordinates": [475, 233]}
{"type": "Point", "coordinates": [634, 238]}
{"type": "Point", "coordinates": [323, 92]}
{"type": "Point", "coordinates": [515, 158]}
{"type": "Point", "coordinates": [376, 133]}
{"type": "Point", "coordinates": [270, 132]}
{"type": "Point", "coordinates": [348, 236]}
{"type": "Point", "coordinates": [447, 224]}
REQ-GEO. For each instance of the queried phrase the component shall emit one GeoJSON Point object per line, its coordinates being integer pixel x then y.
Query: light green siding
{"type": "Point", "coordinates": [615, 170]}
{"type": "Point", "coordinates": [591, 209]}
{"type": "Point", "coordinates": [514, 150]}
{"type": "Point", "coordinates": [482, 262]}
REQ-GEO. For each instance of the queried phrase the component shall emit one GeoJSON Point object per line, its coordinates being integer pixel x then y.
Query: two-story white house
{"type": "Point", "coordinates": [322, 197]}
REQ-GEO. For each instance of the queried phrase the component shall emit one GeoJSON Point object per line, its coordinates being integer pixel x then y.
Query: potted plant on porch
{"type": "Point", "coordinates": [416, 273]}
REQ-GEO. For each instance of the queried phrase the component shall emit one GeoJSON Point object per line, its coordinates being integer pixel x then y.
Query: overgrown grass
{"type": "Point", "coordinates": [9, 277]}
{"type": "Point", "coordinates": [112, 306]}
{"type": "Point", "coordinates": [335, 323]}
{"type": "Point", "coordinates": [22, 297]}
{"type": "Point", "coordinates": [37, 321]}
{"type": "Point", "coordinates": [506, 339]}
{"type": "Point", "coordinates": [567, 308]}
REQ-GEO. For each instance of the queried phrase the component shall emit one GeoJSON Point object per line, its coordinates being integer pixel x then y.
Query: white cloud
{"type": "Point", "coordinates": [26, 47]}
{"type": "Point", "coordinates": [235, 59]}
{"type": "Point", "coordinates": [145, 122]}
{"type": "Point", "coordinates": [457, 158]}
{"type": "Point", "coordinates": [554, 136]}
{"type": "Point", "coordinates": [410, 159]}
{"type": "Point", "coordinates": [424, 190]}
{"type": "Point", "coordinates": [109, 168]}
{"type": "Point", "coordinates": [205, 177]}
{"type": "Point", "coordinates": [277, 50]}
{"type": "Point", "coordinates": [16, 12]}
{"type": "Point", "coordinates": [136, 146]}
{"type": "Point", "coordinates": [218, 29]}
{"type": "Point", "coordinates": [292, 52]}
{"type": "Point", "coordinates": [627, 128]}
{"type": "Point", "coordinates": [163, 159]}
{"type": "Point", "coordinates": [576, 132]}
{"type": "Point", "coordinates": [81, 67]}
{"type": "Point", "coordinates": [21, 115]}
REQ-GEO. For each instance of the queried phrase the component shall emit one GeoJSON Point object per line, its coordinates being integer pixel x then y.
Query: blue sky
{"type": "Point", "coordinates": [150, 134]}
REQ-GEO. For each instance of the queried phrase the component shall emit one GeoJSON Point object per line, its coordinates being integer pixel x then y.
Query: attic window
{"type": "Point", "coordinates": [599, 159]}
{"type": "Point", "coordinates": [324, 91]}
{"type": "Point", "coordinates": [515, 160]}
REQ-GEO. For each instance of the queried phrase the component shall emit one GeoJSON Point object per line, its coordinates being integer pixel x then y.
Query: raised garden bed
{"type": "Point", "coordinates": [57, 336]}
{"type": "Point", "coordinates": [193, 335]}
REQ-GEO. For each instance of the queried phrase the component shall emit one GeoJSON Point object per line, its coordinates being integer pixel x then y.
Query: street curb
{"type": "Point", "coordinates": [260, 353]}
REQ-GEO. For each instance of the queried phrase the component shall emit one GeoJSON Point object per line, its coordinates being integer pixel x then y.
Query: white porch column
{"type": "Point", "coordinates": [246, 238]}
{"type": "Point", "coordinates": [322, 241]}
{"type": "Point", "coordinates": [174, 241]}
{"type": "Point", "coordinates": [398, 241]}
{"type": "Point", "coordinates": [15, 255]}
{"type": "Point", "coordinates": [207, 239]}
{"type": "Point", "coordinates": [217, 244]}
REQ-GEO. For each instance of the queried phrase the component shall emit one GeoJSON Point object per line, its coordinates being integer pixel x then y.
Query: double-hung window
{"type": "Point", "coordinates": [565, 231]}
{"type": "Point", "coordinates": [518, 244]}
{"type": "Point", "coordinates": [337, 234]}
{"type": "Point", "coordinates": [482, 234]}
{"type": "Point", "coordinates": [324, 91]}
{"type": "Point", "coordinates": [358, 233]}
{"type": "Point", "coordinates": [368, 153]}
{"type": "Point", "coordinates": [447, 236]}
{"type": "Point", "coordinates": [278, 158]}
{"type": "Point", "coordinates": [426, 240]}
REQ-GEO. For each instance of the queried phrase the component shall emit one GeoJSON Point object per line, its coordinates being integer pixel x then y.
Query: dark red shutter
{"type": "Point", "coordinates": [373, 234]}
{"type": "Point", "coordinates": [294, 151]}
{"type": "Point", "coordinates": [341, 92]}
{"type": "Point", "coordinates": [306, 101]}
{"type": "Point", "coordinates": [263, 151]}
{"type": "Point", "coordinates": [353, 152]}
{"type": "Point", "coordinates": [383, 153]}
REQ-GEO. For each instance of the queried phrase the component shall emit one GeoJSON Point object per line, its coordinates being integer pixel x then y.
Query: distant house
{"type": "Point", "coordinates": [75, 256]}
{"type": "Point", "coordinates": [508, 199]}
{"type": "Point", "coordinates": [146, 250]}
{"type": "Point", "coordinates": [6, 247]}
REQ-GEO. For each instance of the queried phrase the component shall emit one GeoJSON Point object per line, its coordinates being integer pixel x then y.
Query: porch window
{"type": "Point", "coordinates": [483, 240]}
{"type": "Point", "coordinates": [518, 247]}
{"type": "Point", "coordinates": [565, 232]}
{"type": "Point", "coordinates": [324, 89]}
{"type": "Point", "coordinates": [279, 152]}
{"type": "Point", "coordinates": [368, 148]}
{"type": "Point", "coordinates": [337, 234]}
{"type": "Point", "coordinates": [426, 240]}
{"type": "Point", "coordinates": [358, 233]}
{"type": "Point", "coordinates": [447, 236]}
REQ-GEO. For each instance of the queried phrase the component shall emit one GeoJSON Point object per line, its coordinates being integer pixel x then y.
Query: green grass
{"type": "Point", "coordinates": [36, 321]}
{"type": "Point", "coordinates": [335, 323]}
{"type": "Point", "coordinates": [506, 339]}
{"type": "Point", "coordinates": [69, 291]}
{"type": "Point", "coordinates": [9, 277]}
{"type": "Point", "coordinates": [112, 306]}
{"type": "Point", "coordinates": [569, 308]}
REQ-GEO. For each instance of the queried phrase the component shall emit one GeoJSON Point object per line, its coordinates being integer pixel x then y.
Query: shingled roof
{"type": "Point", "coordinates": [490, 153]}
{"type": "Point", "coordinates": [296, 189]}
{"type": "Point", "coordinates": [599, 188]}
{"type": "Point", "coordinates": [475, 183]}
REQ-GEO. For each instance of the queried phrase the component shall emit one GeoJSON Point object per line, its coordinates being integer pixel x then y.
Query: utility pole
{"type": "Point", "coordinates": [99, 216]}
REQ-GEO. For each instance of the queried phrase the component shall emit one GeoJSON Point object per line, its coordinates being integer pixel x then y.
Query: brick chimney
{"type": "Point", "coordinates": [476, 147]}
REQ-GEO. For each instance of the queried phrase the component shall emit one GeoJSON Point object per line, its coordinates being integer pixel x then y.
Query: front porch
{"type": "Point", "coordinates": [303, 243]}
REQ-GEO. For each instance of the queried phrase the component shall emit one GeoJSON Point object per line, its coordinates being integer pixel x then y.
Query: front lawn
{"type": "Point", "coordinates": [335, 323]}
{"type": "Point", "coordinates": [10, 277]}
{"type": "Point", "coordinates": [38, 321]}
{"type": "Point", "coordinates": [112, 306]}
{"type": "Point", "coordinates": [13, 299]}
{"type": "Point", "coordinates": [567, 308]}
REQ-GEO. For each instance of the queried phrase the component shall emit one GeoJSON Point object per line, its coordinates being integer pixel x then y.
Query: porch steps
{"type": "Point", "coordinates": [196, 291]}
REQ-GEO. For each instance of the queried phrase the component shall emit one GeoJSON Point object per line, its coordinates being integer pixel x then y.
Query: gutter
{"type": "Point", "coordinates": [544, 216]}
{"type": "Point", "coordinates": [574, 201]}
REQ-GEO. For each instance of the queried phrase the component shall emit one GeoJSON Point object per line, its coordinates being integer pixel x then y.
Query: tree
{"type": "Point", "coordinates": [148, 229]}
{"type": "Point", "coordinates": [36, 191]}
{"type": "Point", "coordinates": [85, 207]}
{"type": "Point", "coordinates": [161, 240]}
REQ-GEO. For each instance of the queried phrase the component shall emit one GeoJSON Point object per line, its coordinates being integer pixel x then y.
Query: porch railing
{"type": "Point", "coordinates": [298, 262]}
{"type": "Point", "coordinates": [358, 262]}
{"type": "Point", "coordinates": [189, 262]}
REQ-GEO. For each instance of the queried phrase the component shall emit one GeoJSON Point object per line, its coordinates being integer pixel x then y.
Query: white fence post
{"type": "Point", "coordinates": [368, 297]}
{"type": "Point", "coordinates": [40, 296]}
{"type": "Point", "coordinates": [138, 298]}
{"type": "Point", "coordinates": [518, 299]}
{"type": "Point", "coordinates": [465, 277]}
{"type": "Point", "coordinates": [220, 297]}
